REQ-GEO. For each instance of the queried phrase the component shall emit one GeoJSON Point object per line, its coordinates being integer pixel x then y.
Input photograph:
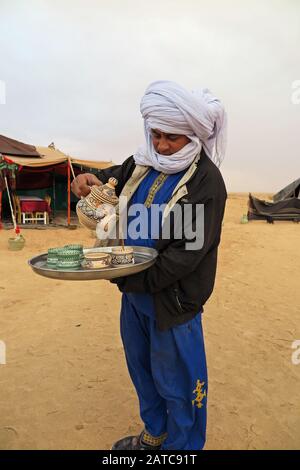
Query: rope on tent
{"type": "Point", "coordinates": [72, 169]}
{"type": "Point", "coordinates": [11, 207]}
{"type": "Point", "coordinates": [16, 243]}
{"type": "Point", "coordinates": [71, 166]}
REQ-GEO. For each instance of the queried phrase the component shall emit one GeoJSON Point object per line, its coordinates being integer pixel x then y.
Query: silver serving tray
{"type": "Point", "coordinates": [144, 257]}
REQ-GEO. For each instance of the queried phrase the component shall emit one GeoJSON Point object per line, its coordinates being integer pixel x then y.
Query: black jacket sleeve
{"type": "Point", "coordinates": [120, 172]}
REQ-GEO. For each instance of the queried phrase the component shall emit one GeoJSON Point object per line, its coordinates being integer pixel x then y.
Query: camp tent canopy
{"type": "Point", "coordinates": [285, 205]}
{"type": "Point", "coordinates": [290, 191]}
{"type": "Point", "coordinates": [45, 167]}
{"type": "Point", "coordinates": [49, 156]}
{"type": "Point", "coordinates": [92, 163]}
{"type": "Point", "coordinates": [52, 155]}
{"type": "Point", "coordinates": [31, 156]}
{"type": "Point", "coordinates": [19, 149]}
{"type": "Point", "coordinates": [286, 209]}
{"type": "Point", "coordinates": [43, 161]}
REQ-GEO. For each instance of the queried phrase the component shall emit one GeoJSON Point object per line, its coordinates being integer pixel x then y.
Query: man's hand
{"type": "Point", "coordinates": [81, 185]}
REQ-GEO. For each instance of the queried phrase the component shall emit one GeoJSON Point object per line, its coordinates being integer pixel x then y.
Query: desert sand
{"type": "Point", "coordinates": [65, 383]}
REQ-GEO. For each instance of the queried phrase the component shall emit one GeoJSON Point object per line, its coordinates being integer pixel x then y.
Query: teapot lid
{"type": "Point", "coordinates": [112, 183]}
{"type": "Point", "coordinates": [106, 192]}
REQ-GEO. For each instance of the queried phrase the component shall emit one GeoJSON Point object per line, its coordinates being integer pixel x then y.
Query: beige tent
{"type": "Point", "coordinates": [53, 156]}
{"type": "Point", "coordinates": [44, 161]}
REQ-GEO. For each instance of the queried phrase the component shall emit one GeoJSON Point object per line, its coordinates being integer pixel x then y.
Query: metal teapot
{"type": "Point", "coordinates": [98, 204]}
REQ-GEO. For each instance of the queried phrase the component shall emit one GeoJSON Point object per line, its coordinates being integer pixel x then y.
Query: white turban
{"type": "Point", "coordinates": [172, 109]}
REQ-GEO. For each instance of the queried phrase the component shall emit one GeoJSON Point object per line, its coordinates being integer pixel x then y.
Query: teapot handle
{"type": "Point", "coordinates": [82, 197]}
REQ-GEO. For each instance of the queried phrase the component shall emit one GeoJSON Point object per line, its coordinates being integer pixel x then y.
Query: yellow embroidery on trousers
{"type": "Point", "coordinates": [200, 394]}
{"type": "Point", "coordinates": [153, 441]}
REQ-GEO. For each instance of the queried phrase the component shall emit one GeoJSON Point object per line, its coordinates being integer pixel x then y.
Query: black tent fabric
{"type": "Point", "coordinates": [15, 148]}
{"type": "Point", "coordinates": [291, 190]}
{"type": "Point", "coordinates": [286, 209]}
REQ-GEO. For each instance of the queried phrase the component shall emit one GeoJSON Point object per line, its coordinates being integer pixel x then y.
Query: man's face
{"type": "Point", "coordinates": [167, 144]}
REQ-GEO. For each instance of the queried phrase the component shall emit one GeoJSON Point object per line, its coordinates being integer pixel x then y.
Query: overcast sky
{"type": "Point", "coordinates": [75, 71]}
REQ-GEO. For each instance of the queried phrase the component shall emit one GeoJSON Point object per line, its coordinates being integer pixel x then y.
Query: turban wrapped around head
{"type": "Point", "coordinates": [197, 114]}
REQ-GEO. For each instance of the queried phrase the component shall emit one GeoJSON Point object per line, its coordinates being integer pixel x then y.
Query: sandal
{"type": "Point", "coordinates": [142, 442]}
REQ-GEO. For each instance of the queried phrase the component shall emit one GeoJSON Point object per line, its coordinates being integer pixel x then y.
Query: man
{"type": "Point", "coordinates": [162, 306]}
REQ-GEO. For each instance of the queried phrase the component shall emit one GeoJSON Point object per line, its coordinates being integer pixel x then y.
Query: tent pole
{"type": "Point", "coordinates": [69, 193]}
{"type": "Point", "coordinates": [0, 209]}
{"type": "Point", "coordinates": [54, 195]}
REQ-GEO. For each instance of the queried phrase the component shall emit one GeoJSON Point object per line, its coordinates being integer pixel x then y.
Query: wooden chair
{"type": "Point", "coordinates": [43, 215]}
{"type": "Point", "coordinates": [17, 207]}
{"type": "Point", "coordinates": [28, 217]}
{"type": "Point", "coordinates": [47, 198]}
{"type": "Point", "coordinates": [21, 217]}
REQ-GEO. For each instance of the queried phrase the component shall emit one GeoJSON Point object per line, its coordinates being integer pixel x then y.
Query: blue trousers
{"type": "Point", "coordinates": [168, 370]}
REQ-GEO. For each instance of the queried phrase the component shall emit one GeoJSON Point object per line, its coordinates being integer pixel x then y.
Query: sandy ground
{"type": "Point", "coordinates": [65, 384]}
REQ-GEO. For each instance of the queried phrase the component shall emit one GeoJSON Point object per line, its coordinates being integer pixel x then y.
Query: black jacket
{"type": "Point", "coordinates": [181, 280]}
